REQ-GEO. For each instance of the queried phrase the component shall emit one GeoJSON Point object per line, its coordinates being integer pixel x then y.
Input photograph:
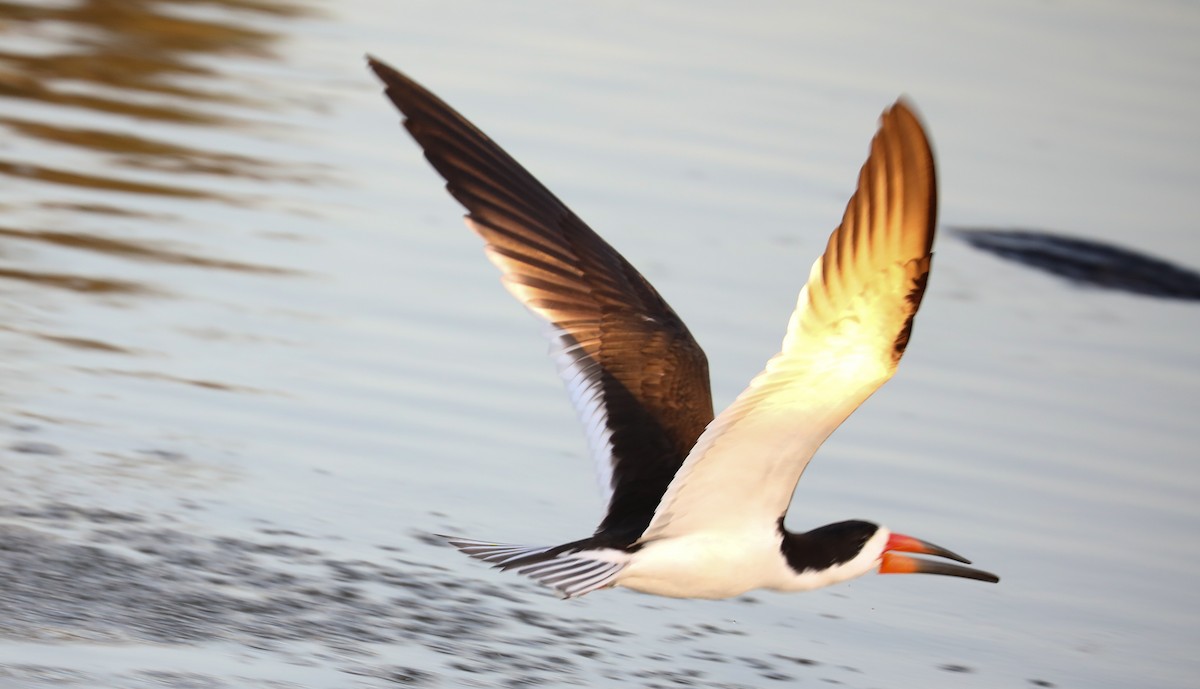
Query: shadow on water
{"type": "Point", "coordinates": [1087, 262]}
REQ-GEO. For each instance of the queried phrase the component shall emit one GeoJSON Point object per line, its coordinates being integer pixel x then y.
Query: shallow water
{"type": "Point", "coordinates": [251, 359]}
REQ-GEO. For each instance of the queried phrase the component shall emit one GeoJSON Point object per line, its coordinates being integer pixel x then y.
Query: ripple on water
{"type": "Point", "coordinates": [100, 576]}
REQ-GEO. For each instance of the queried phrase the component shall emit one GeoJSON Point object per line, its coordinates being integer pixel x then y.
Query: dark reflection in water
{"type": "Point", "coordinates": [132, 249]}
{"type": "Point", "coordinates": [135, 45]}
{"type": "Point", "coordinates": [73, 342]}
{"type": "Point", "coordinates": [70, 178]}
{"type": "Point", "coordinates": [1088, 262]}
{"type": "Point", "coordinates": [75, 283]}
{"type": "Point", "coordinates": [129, 150]}
{"type": "Point", "coordinates": [155, 375]}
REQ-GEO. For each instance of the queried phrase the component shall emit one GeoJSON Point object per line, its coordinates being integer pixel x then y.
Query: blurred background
{"type": "Point", "coordinates": [250, 358]}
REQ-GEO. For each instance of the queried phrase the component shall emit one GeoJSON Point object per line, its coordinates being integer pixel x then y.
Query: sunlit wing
{"type": "Point", "coordinates": [849, 330]}
{"type": "Point", "coordinates": [637, 378]}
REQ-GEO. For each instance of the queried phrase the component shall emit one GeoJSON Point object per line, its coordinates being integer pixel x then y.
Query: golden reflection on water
{"type": "Point", "coordinates": [137, 45]}
{"type": "Point", "coordinates": [70, 178]}
{"type": "Point", "coordinates": [160, 376]}
{"type": "Point", "coordinates": [137, 60]}
{"type": "Point", "coordinates": [134, 249]}
{"type": "Point", "coordinates": [132, 46]}
{"type": "Point", "coordinates": [73, 342]}
{"type": "Point", "coordinates": [111, 111]}
{"type": "Point", "coordinates": [75, 283]}
{"type": "Point", "coordinates": [130, 150]}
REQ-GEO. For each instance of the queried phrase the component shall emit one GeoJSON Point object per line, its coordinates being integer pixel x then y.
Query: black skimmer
{"type": "Point", "coordinates": [696, 504]}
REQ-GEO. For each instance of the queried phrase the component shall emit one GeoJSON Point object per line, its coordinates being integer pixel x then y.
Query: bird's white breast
{"type": "Point", "coordinates": [708, 565]}
{"type": "Point", "coordinates": [716, 565]}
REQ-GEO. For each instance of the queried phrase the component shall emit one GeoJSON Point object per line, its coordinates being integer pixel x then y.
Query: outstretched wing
{"type": "Point", "coordinates": [850, 327]}
{"type": "Point", "coordinates": [637, 378]}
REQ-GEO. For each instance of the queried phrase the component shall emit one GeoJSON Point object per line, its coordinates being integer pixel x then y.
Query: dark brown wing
{"type": "Point", "coordinates": [637, 378]}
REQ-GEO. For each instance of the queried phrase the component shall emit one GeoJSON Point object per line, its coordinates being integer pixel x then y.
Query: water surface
{"type": "Point", "coordinates": [252, 358]}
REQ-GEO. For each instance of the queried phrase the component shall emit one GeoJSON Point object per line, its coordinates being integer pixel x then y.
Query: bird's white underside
{"type": "Point", "coordinates": [712, 564]}
{"type": "Point", "coordinates": [581, 375]}
{"type": "Point", "coordinates": [718, 564]}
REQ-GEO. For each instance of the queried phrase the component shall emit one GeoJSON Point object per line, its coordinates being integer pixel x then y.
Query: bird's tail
{"type": "Point", "coordinates": [572, 570]}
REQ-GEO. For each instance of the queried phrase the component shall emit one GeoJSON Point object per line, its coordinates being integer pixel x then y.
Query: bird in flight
{"type": "Point", "coordinates": [695, 505]}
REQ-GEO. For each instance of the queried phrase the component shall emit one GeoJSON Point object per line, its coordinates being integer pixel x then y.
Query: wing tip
{"type": "Point", "coordinates": [383, 70]}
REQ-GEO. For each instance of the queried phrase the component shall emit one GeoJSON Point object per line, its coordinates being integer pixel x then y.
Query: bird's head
{"type": "Point", "coordinates": [845, 550]}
